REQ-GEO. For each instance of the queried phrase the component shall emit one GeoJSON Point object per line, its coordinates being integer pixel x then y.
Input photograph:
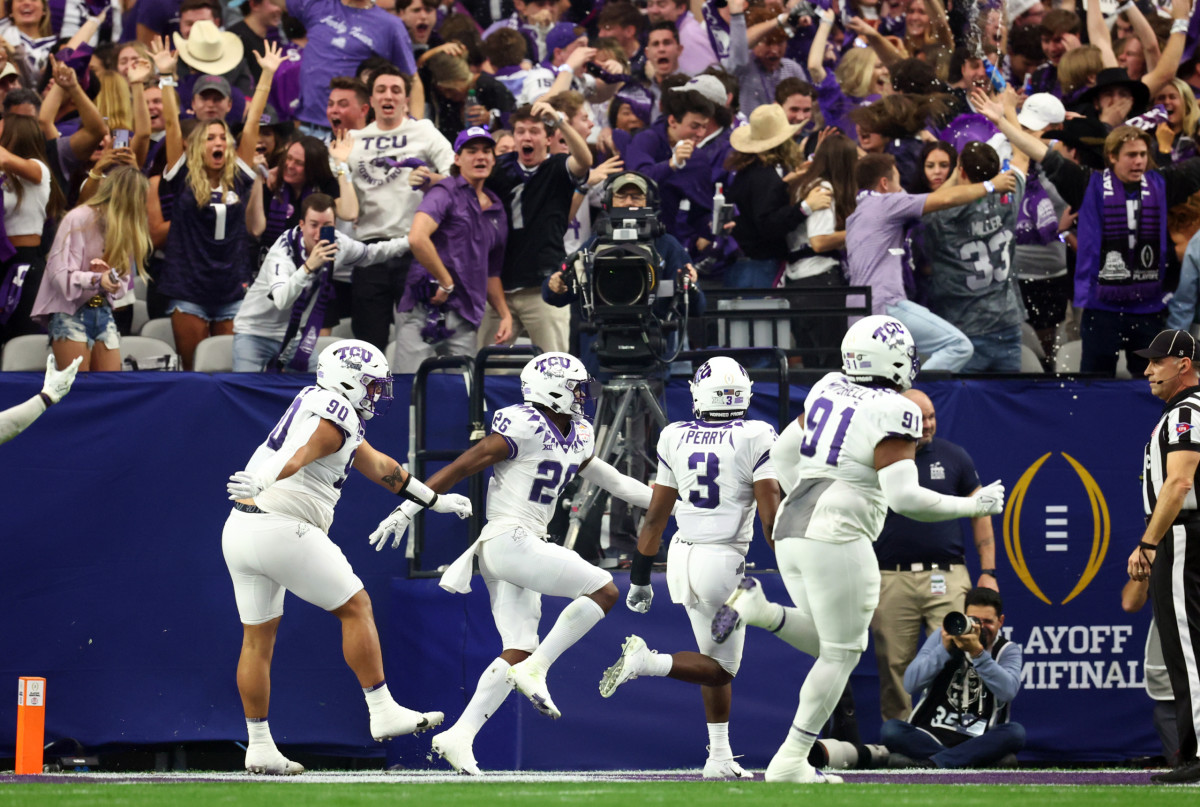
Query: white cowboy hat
{"type": "Point", "coordinates": [210, 50]}
{"type": "Point", "coordinates": [768, 128]}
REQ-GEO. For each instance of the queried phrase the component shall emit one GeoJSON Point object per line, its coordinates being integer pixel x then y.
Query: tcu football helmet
{"type": "Point", "coordinates": [720, 390]}
{"type": "Point", "coordinates": [880, 348]}
{"type": "Point", "coordinates": [358, 372]}
{"type": "Point", "coordinates": [558, 381]}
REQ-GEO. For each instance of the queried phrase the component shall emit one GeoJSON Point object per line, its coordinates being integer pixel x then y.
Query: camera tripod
{"type": "Point", "coordinates": [627, 402]}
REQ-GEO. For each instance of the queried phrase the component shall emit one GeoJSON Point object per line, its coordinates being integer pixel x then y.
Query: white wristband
{"type": "Point", "coordinates": [1179, 27]}
{"type": "Point", "coordinates": [988, 186]}
{"type": "Point", "coordinates": [566, 68]}
{"type": "Point", "coordinates": [806, 207]}
{"type": "Point", "coordinates": [417, 492]}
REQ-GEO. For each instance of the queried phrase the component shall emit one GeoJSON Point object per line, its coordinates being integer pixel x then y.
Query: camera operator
{"type": "Point", "coordinates": [628, 190]}
{"type": "Point", "coordinates": [963, 686]}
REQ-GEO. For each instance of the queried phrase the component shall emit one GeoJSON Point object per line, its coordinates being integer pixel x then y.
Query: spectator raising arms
{"type": "Point", "coordinates": [31, 194]}
{"type": "Point", "coordinates": [208, 262]}
{"type": "Point", "coordinates": [97, 246]}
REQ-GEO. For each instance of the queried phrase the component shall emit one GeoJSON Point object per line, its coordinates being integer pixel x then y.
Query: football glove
{"type": "Point", "coordinates": [639, 598]}
{"type": "Point", "coordinates": [989, 501]}
{"type": "Point", "coordinates": [58, 382]}
{"type": "Point", "coordinates": [452, 503]}
{"type": "Point", "coordinates": [395, 524]}
{"type": "Point", "coordinates": [244, 485]}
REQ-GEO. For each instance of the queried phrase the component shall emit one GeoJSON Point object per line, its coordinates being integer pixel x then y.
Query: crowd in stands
{"type": "Point", "coordinates": [420, 169]}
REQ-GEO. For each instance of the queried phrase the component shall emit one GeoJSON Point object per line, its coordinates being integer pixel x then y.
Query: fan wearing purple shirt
{"type": "Point", "coordinates": [341, 34]}
{"type": "Point", "coordinates": [875, 234]}
{"type": "Point", "coordinates": [458, 233]}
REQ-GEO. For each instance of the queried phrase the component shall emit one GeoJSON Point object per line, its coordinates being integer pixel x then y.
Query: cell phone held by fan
{"type": "Point", "coordinates": [328, 233]}
{"type": "Point", "coordinates": [121, 138]}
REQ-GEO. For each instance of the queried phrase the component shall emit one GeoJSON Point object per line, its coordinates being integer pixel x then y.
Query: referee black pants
{"type": "Point", "coordinates": [1175, 596]}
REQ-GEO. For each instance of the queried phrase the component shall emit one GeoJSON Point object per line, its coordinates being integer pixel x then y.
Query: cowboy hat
{"type": "Point", "coordinates": [210, 50]}
{"type": "Point", "coordinates": [768, 128]}
{"type": "Point", "coordinates": [1117, 77]}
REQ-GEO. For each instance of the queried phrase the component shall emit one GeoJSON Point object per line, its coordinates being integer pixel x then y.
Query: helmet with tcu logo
{"type": "Point", "coordinates": [880, 348]}
{"type": "Point", "coordinates": [720, 390]}
{"type": "Point", "coordinates": [558, 381]}
{"type": "Point", "coordinates": [358, 372]}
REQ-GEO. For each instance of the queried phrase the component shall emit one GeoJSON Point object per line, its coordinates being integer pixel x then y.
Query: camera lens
{"type": "Point", "coordinates": [956, 623]}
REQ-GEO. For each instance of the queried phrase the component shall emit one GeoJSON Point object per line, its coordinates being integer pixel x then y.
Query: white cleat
{"type": "Point", "coordinates": [396, 721]}
{"type": "Point", "coordinates": [627, 667]}
{"type": "Point", "coordinates": [725, 769]}
{"type": "Point", "coordinates": [790, 769]}
{"type": "Point", "coordinates": [746, 605]}
{"type": "Point", "coordinates": [455, 748]}
{"type": "Point", "coordinates": [266, 759]}
{"type": "Point", "coordinates": [530, 681]}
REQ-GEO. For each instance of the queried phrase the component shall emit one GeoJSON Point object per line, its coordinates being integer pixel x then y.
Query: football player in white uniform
{"type": "Point", "coordinates": [536, 448]}
{"type": "Point", "coordinates": [276, 538]}
{"type": "Point", "coordinates": [720, 464]}
{"type": "Point", "coordinates": [843, 463]}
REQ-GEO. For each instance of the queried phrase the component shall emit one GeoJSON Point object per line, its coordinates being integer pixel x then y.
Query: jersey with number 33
{"type": "Point", "coordinates": [525, 487]}
{"type": "Point", "coordinates": [714, 467]}
{"type": "Point", "coordinates": [843, 422]}
{"type": "Point", "coordinates": [311, 493]}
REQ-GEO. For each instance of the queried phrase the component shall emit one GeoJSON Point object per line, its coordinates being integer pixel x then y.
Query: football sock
{"type": "Point", "coordinates": [377, 697]}
{"type": "Point", "coordinates": [658, 664]}
{"type": "Point", "coordinates": [821, 691]}
{"type": "Point", "coordinates": [576, 619]}
{"type": "Point", "coordinates": [718, 741]}
{"type": "Point", "coordinates": [798, 630]}
{"type": "Point", "coordinates": [259, 731]}
{"type": "Point", "coordinates": [490, 693]}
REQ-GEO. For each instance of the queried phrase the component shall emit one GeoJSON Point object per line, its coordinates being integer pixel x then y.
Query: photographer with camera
{"type": "Point", "coordinates": [963, 681]}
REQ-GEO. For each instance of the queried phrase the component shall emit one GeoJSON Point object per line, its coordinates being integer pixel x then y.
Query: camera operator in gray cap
{"type": "Point", "coordinates": [963, 682]}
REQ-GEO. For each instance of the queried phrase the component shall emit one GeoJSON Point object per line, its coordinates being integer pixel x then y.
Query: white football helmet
{"type": "Point", "coordinates": [880, 348]}
{"type": "Point", "coordinates": [558, 381]}
{"type": "Point", "coordinates": [720, 390]}
{"type": "Point", "coordinates": [358, 371]}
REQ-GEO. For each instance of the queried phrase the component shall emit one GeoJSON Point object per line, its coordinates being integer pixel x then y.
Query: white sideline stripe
{"type": "Point", "coordinates": [1057, 522]}
{"type": "Point", "coordinates": [1057, 534]}
{"type": "Point", "coordinates": [1056, 547]}
{"type": "Point", "coordinates": [1056, 508]}
{"type": "Point", "coordinates": [1181, 621]}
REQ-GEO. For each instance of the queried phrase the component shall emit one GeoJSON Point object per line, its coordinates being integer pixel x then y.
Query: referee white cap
{"type": "Point", "coordinates": [1170, 343]}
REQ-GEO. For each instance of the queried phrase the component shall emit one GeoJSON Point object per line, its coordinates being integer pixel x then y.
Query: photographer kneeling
{"type": "Point", "coordinates": [962, 686]}
{"type": "Point", "coordinates": [631, 191]}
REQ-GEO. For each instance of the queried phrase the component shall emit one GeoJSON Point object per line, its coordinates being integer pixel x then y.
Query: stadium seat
{"type": "Point", "coordinates": [325, 341]}
{"type": "Point", "coordinates": [159, 328]}
{"type": "Point", "coordinates": [1068, 356]}
{"type": "Point", "coordinates": [140, 316]}
{"type": "Point", "coordinates": [25, 353]}
{"type": "Point", "coordinates": [214, 355]}
{"type": "Point", "coordinates": [147, 353]}
{"type": "Point", "coordinates": [1029, 337]}
{"type": "Point", "coordinates": [1030, 363]}
{"type": "Point", "coordinates": [1122, 368]}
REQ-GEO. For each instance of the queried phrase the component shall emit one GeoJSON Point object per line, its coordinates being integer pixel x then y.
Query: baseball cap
{"type": "Point", "coordinates": [1177, 344]}
{"type": "Point", "coordinates": [1041, 110]}
{"type": "Point", "coordinates": [708, 86]}
{"type": "Point", "coordinates": [8, 70]}
{"type": "Point", "coordinates": [473, 133]}
{"type": "Point", "coordinates": [624, 180]}
{"type": "Point", "coordinates": [212, 83]}
{"type": "Point", "coordinates": [561, 36]}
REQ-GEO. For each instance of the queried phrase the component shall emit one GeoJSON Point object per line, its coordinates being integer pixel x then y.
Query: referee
{"type": "Point", "coordinates": [1169, 552]}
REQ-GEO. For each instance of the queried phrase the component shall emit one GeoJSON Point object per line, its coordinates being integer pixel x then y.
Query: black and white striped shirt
{"type": "Point", "coordinates": [1177, 430]}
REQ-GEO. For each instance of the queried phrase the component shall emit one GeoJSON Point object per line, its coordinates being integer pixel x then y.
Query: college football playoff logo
{"type": "Point", "coordinates": [1053, 522]}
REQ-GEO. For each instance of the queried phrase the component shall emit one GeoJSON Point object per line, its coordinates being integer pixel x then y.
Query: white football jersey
{"type": "Point", "coordinates": [525, 486]}
{"type": "Point", "coordinates": [311, 493]}
{"type": "Point", "coordinates": [714, 467]}
{"type": "Point", "coordinates": [843, 422]}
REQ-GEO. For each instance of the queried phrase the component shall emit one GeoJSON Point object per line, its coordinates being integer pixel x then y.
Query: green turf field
{"type": "Point", "coordinates": [634, 794]}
